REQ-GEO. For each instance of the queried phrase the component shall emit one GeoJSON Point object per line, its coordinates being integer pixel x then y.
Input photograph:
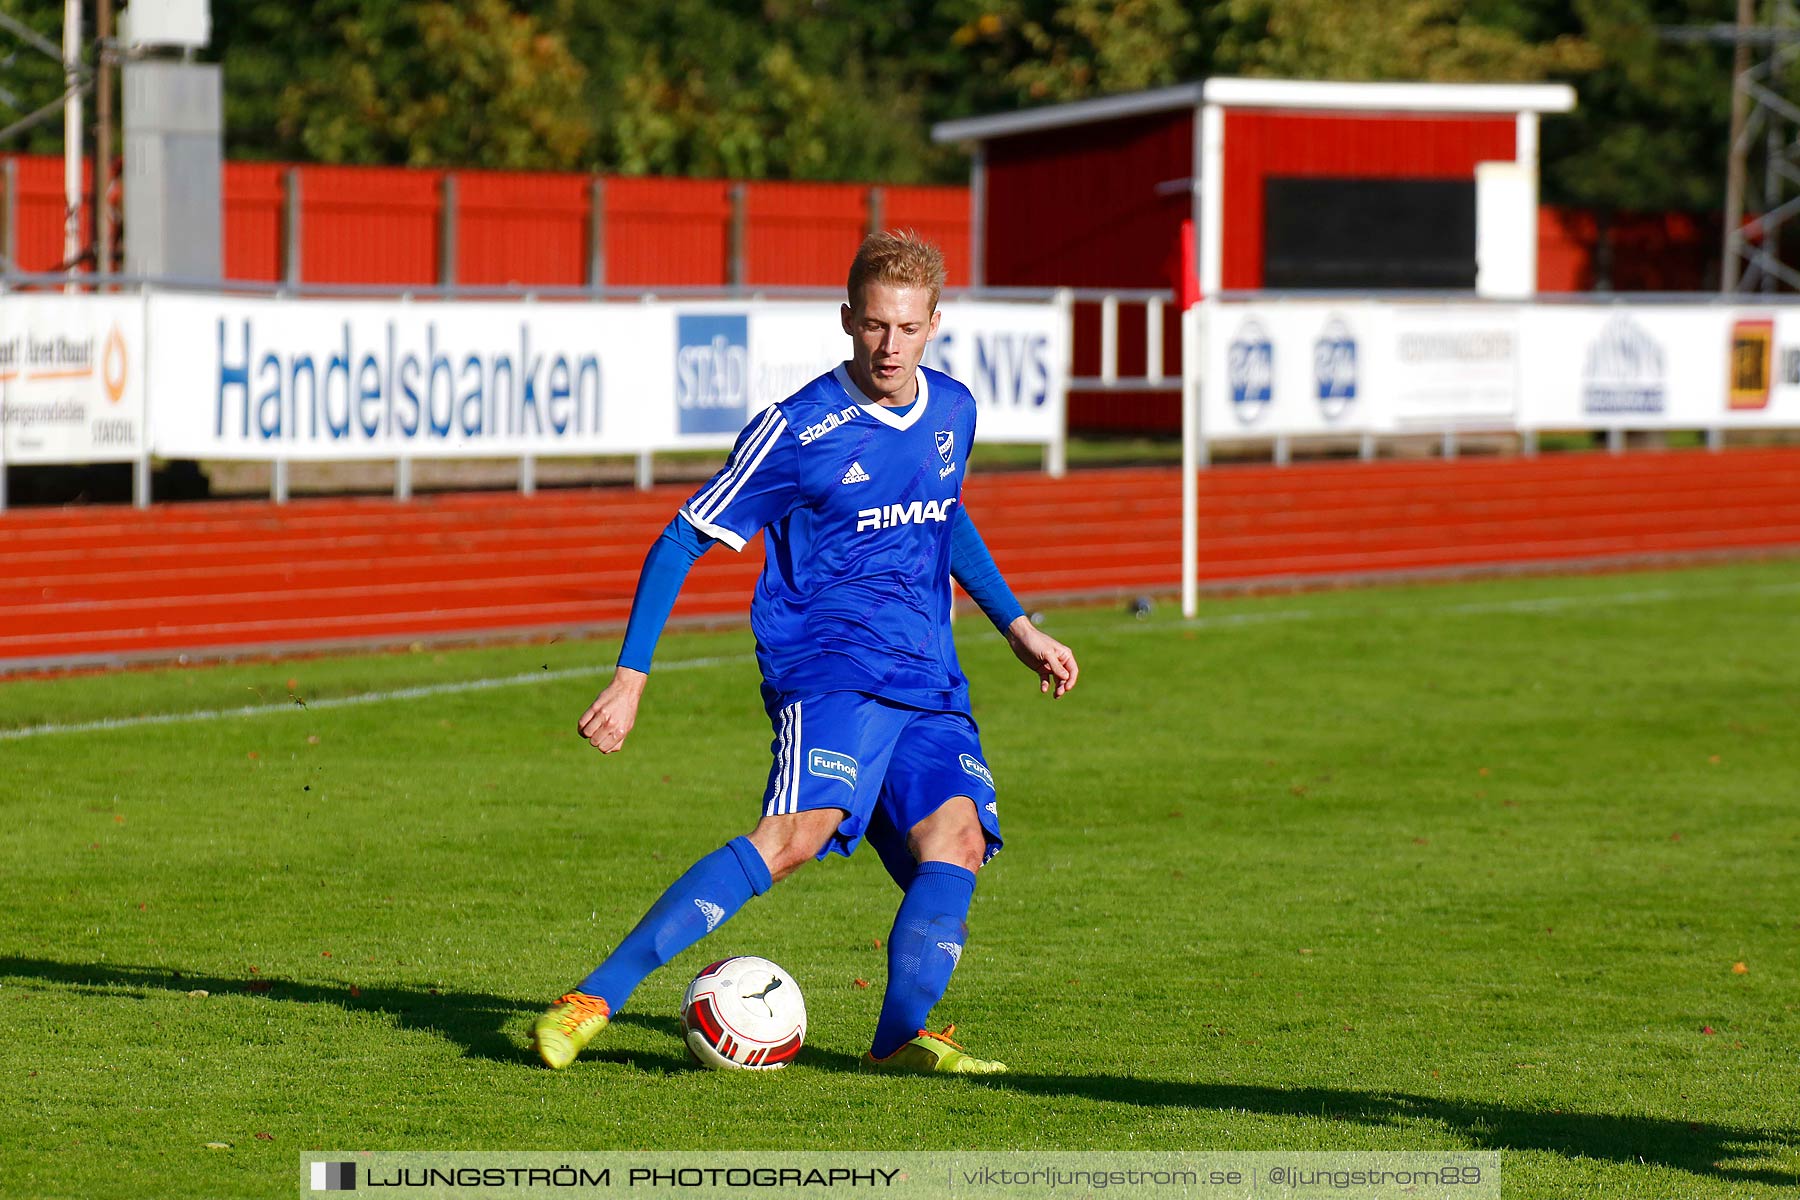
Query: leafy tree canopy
{"type": "Point", "coordinates": [848, 89]}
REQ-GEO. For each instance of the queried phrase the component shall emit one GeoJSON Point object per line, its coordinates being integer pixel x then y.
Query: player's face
{"type": "Point", "coordinates": [888, 330]}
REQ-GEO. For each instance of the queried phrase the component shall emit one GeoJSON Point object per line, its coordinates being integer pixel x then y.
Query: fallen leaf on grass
{"type": "Point", "coordinates": [861, 983]}
{"type": "Point", "coordinates": [258, 985]}
{"type": "Point", "coordinates": [1738, 968]}
{"type": "Point", "coordinates": [199, 994]}
{"type": "Point", "coordinates": [265, 1137]}
{"type": "Point", "coordinates": [252, 756]}
{"type": "Point", "coordinates": [1707, 1030]}
{"type": "Point", "coordinates": [218, 1145]}
{"type": "Point", "coordinates": [324, 954]}
{"type": "Point", "coordinates": [355, 992]}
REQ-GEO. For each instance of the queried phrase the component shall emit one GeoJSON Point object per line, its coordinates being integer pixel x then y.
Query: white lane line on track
{"type": "Point", "coordinates": [412, 693]}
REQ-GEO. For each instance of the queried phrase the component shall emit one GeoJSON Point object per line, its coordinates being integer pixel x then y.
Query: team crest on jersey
{"type": "Point", "coordinates": [830, 764]}
{"type": "Point", "coordinates": [946, 444]}
{"type": "Point", "coordinates": [978, 769]}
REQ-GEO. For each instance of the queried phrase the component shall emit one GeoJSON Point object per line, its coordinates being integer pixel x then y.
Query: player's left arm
{"type": "Point", "coordinates": [973, 566]}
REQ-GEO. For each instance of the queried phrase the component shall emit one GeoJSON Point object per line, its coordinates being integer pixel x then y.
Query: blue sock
{"type": "Point", "coordinates": [696, 904]}
{"type": "Point", "coordinates": [924, 947]}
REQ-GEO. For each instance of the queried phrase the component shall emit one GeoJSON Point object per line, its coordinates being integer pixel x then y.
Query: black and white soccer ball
{"type": "Point", "coordinates": [743, 1012]}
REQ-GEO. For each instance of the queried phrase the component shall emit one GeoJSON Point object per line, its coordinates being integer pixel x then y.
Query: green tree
{"type": "Point", "coordinates": [1435, 40]}
{"type": "Point", "coordinates": [425, 84]}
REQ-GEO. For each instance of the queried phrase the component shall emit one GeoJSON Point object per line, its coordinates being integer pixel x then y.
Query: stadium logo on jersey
{"type": "Point", "coordinates": [712, 373]}
{"type": "Point", "coordinates": [712, 912]}
{"type": "Point", "coordinates": [978, 769]}
{"type": "Point", "coordinates": [855, 474]}
{"type": "Point", "coordinates": [1334, 369]}
{"type": "Point", "coordinates": [829, 764]}
{"type": "Point", "coordinates": [819, 429]}
{"type": "Point", "coordinates": [1250, 369]}
{"type": "Point", "coordinates": [888, 516]}
{"type": "Point", "coordinates": [1624, 371]}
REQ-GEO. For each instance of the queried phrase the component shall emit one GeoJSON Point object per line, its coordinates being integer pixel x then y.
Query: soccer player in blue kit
{"type": "Point", "coordinates": [856, 480]}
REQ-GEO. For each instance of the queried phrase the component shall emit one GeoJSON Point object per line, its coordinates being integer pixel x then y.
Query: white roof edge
{"type": "Point", "coordinates": [1077, 112]}
{"type": "Point", "coordinates": [1270, 93]}
{"type": "Point", "coordinates": [1390, 97]}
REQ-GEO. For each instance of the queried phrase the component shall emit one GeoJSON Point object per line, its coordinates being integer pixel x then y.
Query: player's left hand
{"type": "Point", "coordinates": [1054, 662]}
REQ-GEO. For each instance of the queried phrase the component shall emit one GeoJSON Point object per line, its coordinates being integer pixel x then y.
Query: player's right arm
{"type": "Point", "coordinates": [608, 720]}
{"type": "Point", "coordinates": [757, 484]}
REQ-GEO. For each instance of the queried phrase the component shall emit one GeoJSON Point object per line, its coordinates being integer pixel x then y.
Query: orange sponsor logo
{"type": "Point", "coordinates": [112, 366]}
{"type": "Point", "coordinates": [1752, 363]}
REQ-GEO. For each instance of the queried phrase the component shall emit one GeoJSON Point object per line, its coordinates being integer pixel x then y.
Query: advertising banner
{"type": "Point", "coordinates": [1452, 368]}
{"type": "Point", "coordinates": [1763, 385]}
{"type": "Point", "coordinates": [1626, 366]}
{"type": "Point", "coordinates": [736, 361]}
{"type": "Point", "coordinates": [263, 379]}
{"type": "Point", "coordinates": [71, 379]}
{"type": "Point", "coordinates": [269, 379]}
{"type": "Point", "coordinates": [1296, 369]}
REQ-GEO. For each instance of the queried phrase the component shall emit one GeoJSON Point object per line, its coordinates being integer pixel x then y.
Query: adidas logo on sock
{"type": "Point", "coordinates": [953, 950]}
{"type": "Point", "coordinates": [712, 912]}
{"type": "Point", "coordinates": [855, 474]}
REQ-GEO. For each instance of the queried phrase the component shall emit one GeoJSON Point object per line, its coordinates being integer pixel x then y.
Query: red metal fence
{"type": "Point", "coordinates": [423, 227]}
{"type": "Point", "coordinates": [387, 225]}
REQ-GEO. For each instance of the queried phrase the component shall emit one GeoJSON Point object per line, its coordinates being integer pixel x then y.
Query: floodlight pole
{"type": "Point", "coordinates": [1737, 164]}
{"type": "Point", "coordinates": [71, 55]}
{"type": "Point", "coordinates": [103, 138]}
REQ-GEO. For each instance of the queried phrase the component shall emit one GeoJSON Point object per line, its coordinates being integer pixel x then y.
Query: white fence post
{"type": "Point", "coordinates": [1056, 453]}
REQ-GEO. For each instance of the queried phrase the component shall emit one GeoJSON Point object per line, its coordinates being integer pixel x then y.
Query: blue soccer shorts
{"type": "Point", "coordinates": [887, 766]}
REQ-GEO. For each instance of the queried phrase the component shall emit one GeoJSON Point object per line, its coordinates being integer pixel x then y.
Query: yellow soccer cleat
{"type": "Point", "coordinates": [932, 1053]}
{"type": "Point", "coordinates": [568, 1026]}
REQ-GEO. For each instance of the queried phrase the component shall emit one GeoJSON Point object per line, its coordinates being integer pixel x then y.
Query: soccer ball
{"type": "Point", "coordinates": [743, 1012]}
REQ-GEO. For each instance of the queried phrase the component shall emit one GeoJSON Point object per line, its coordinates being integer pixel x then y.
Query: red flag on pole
{"type": "Point", "coordinates": [1187, 287]}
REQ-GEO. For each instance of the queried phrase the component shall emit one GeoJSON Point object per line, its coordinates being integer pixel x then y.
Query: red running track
{"type": "Point", "coordinates": [104, 585]}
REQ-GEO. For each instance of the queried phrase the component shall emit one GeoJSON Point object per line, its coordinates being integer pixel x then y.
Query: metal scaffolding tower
{"type": "Point", "coordinates": [1765, 125]}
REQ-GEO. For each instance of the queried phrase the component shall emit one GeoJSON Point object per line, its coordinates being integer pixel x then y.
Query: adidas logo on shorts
{"type": "Point", "coordinates": [855, 474]}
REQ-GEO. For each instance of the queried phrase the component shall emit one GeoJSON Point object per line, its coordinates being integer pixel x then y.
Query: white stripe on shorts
{"type": "Point", "coordinates": [799, 751]}
{"type": "Point", "coordinates": [784, 757]}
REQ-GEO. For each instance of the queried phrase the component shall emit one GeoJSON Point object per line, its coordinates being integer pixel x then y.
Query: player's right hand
{"type": "Point", "coordinates": [608, 720]}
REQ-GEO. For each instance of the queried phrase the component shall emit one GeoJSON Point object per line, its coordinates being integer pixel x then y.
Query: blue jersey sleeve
{"type": "Point", "coordinates": [759, 484]}
{"type": "Point", "coordinates": [666, 568]}
{"type": "Point", "coordinates": [972, 566]}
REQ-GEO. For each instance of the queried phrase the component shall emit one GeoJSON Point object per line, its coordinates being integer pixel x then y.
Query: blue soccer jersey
{"type": "Point", "coordinates": [858, 504]}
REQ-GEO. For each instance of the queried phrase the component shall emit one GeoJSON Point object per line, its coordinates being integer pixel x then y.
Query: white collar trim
{"type": "Point", "coordinates": [882, 412]}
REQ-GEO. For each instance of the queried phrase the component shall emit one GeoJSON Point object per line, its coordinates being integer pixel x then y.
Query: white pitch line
{"type": "Point", "coordinates": [1535, 604]}
{"type": "Point", "coordinates": [411, 693]}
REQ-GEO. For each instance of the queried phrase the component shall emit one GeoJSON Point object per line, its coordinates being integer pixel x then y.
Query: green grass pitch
{"type": "Point", "coordinates": [1461, 866]}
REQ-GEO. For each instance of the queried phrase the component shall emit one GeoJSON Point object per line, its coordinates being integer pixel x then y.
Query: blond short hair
{"type": "Point", "coordinates": [899, 258]}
